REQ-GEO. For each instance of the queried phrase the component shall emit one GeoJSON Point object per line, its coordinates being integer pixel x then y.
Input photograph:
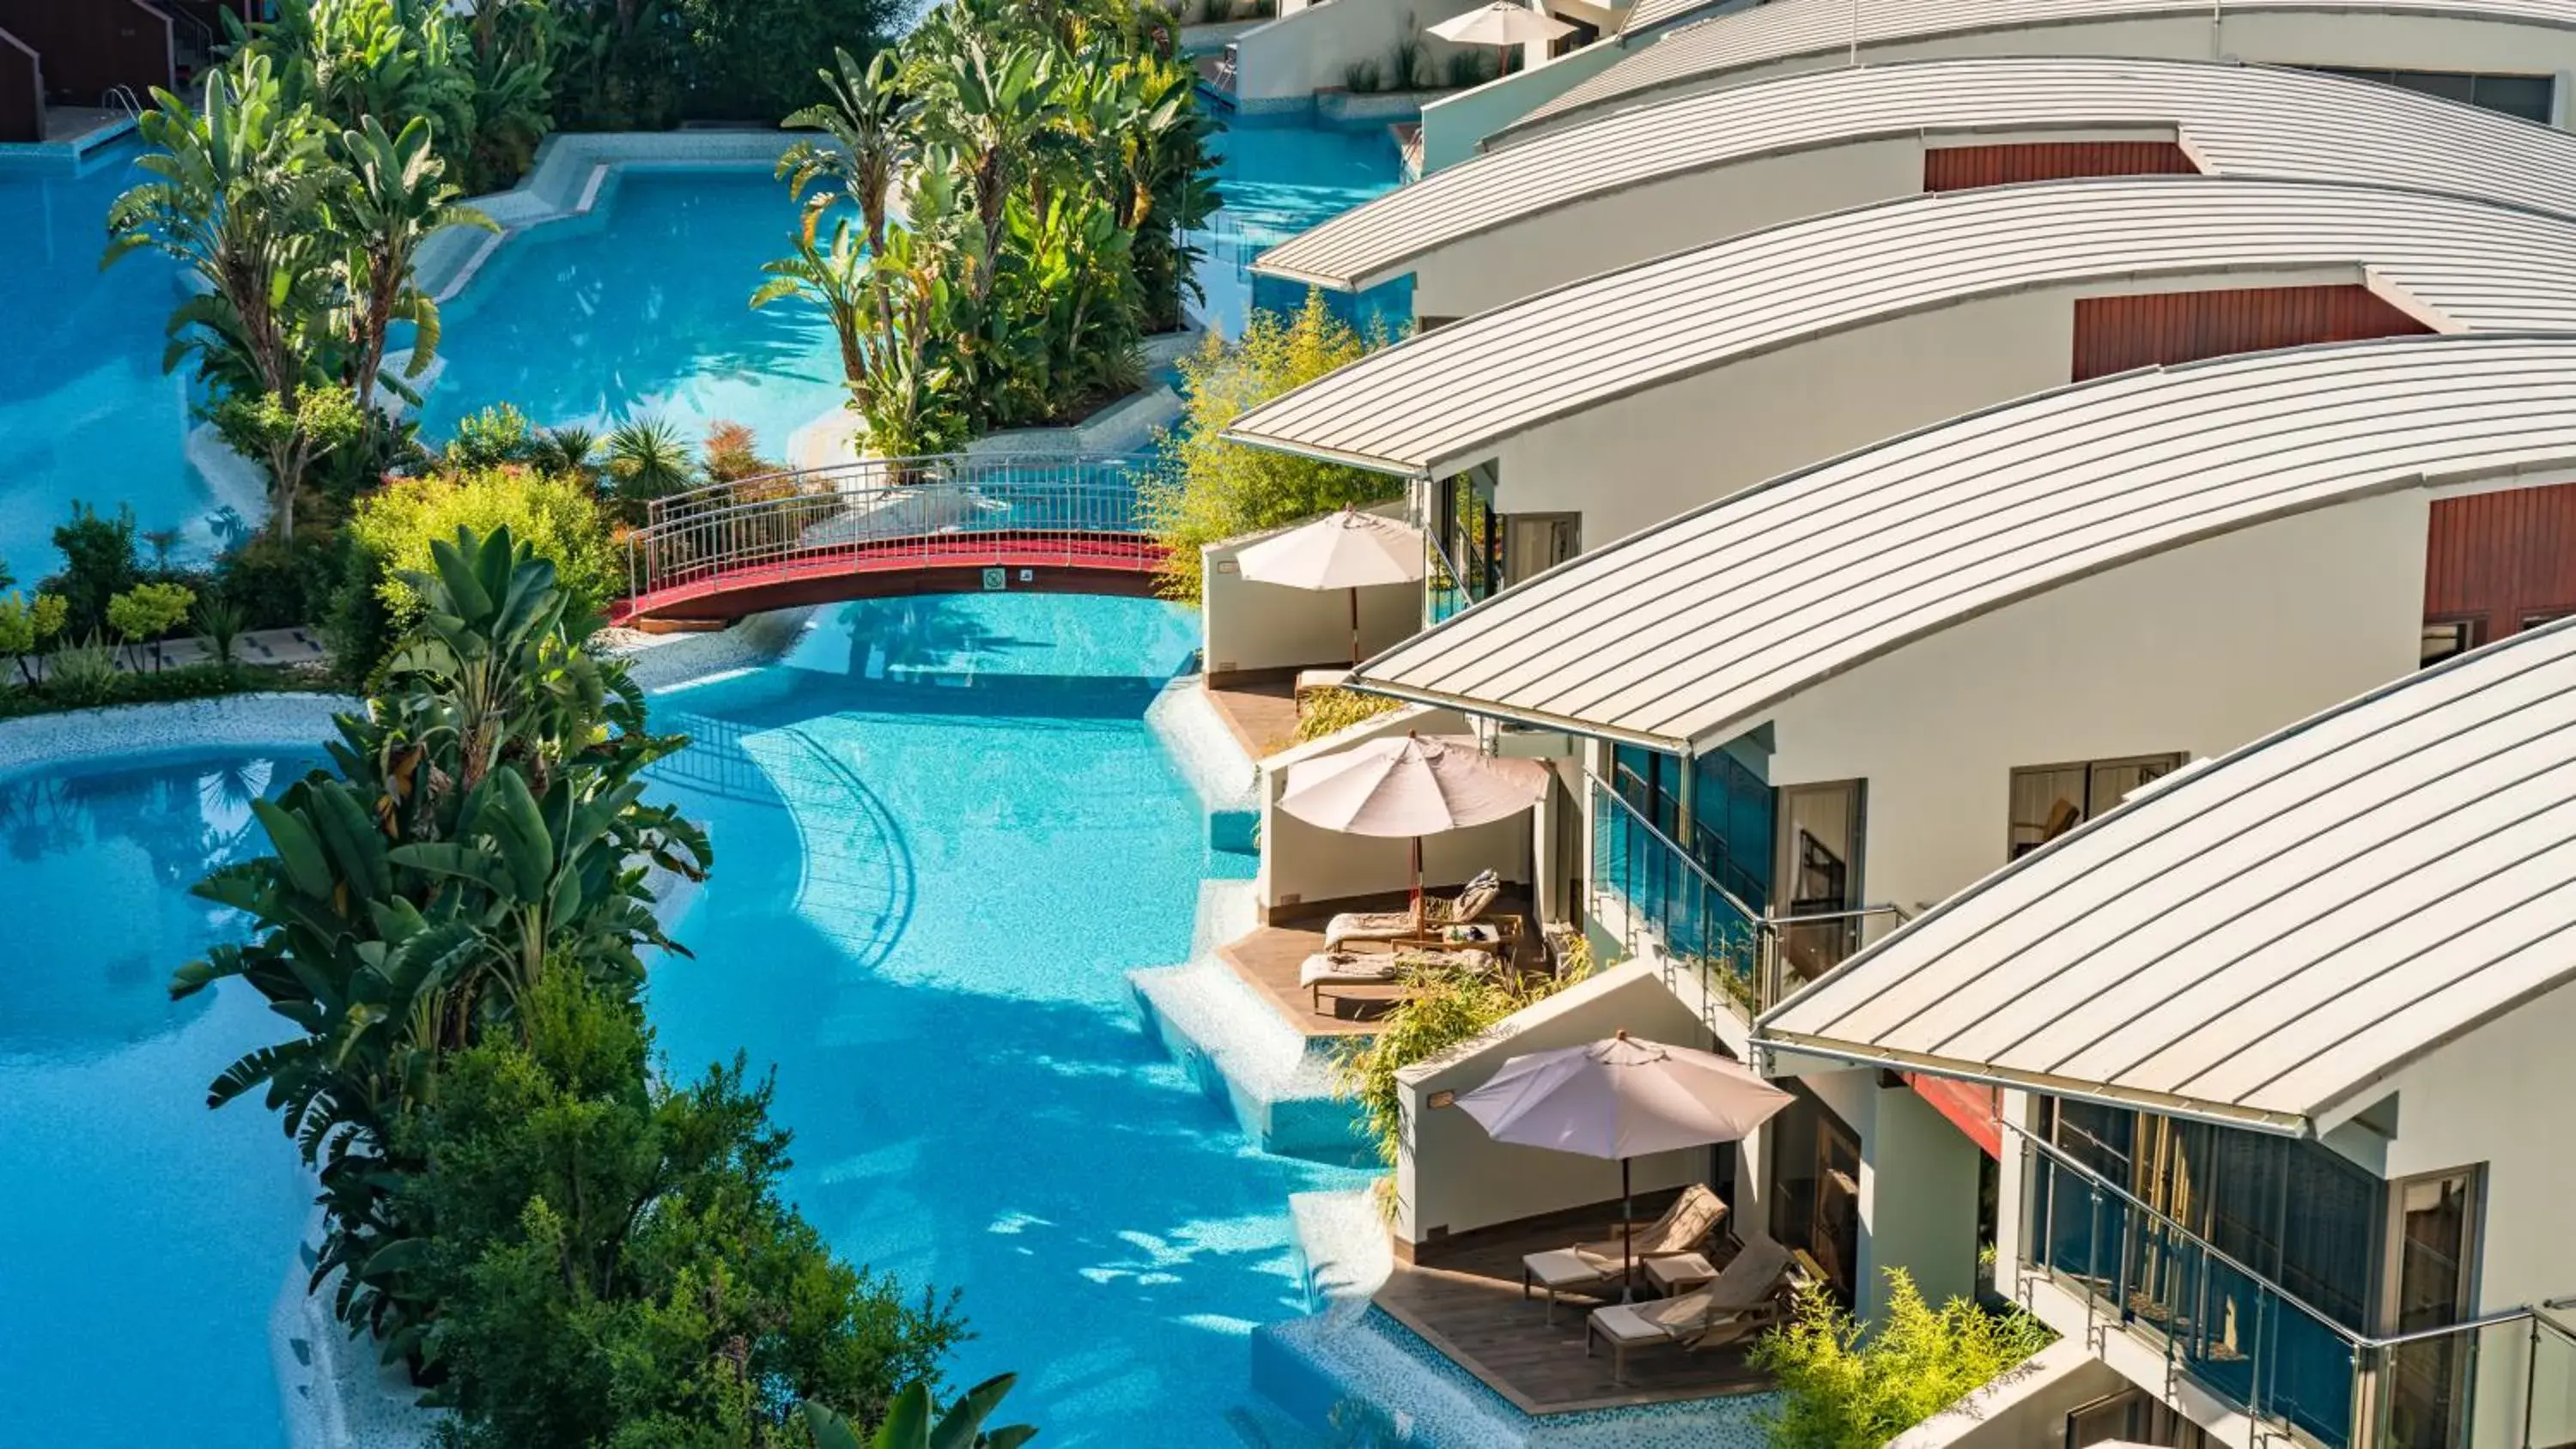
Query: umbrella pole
{"type": "Point", "coordinates": [1419, 924]}
{"type": "Point", "coordinates": [1627, 1240]}
{"type": "Point", "coordinates": [1355, 628]}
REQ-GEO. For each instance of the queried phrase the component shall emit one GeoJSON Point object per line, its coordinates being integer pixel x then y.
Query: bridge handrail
{"type": "Point", "coordinates": [688, 500]}
{"type": "Point", "coordinates": [878, 508]}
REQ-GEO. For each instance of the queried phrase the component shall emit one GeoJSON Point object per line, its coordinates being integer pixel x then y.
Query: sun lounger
{"type": "Point", "coordinates": [1683, 1227]}
{"type": "Point", "coordinates": [1472, 902]}
{"type": "Point", "coordinates": [1744, 1299]}
{"type": "Point", "coordinates": [1379, 968]}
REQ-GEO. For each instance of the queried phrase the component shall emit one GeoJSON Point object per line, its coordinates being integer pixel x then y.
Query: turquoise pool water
{"type": "Point", "coordinates": [145, 1238]}
{"type": "Point", "coordinates": [643, 309]}
{"type": "Point", "coordinates": [1279, 178]}
{"type": "Point", "coordinates": [85, 410]}
{"type": "Point", "coordinates": [944, 834]}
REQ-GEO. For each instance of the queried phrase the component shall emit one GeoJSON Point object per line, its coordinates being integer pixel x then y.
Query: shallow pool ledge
{"type": "Point", "coordinates": [136, 732]}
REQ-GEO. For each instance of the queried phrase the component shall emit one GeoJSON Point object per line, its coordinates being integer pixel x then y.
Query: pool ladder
{"type": "Point", "coordinates": [122, 98]}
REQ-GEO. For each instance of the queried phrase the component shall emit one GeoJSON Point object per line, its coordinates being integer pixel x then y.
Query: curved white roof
{"type": "Point", "coordinates": [2235, 120]}
{"type": "Point", "coordinates": [2268, 938]}
{"type": "Point", "coordinates": [1688, 633]}
{"type": "Point", "coordinates": [1700, 53]}
{"type": "Point", "coordinates": [1441, 399]}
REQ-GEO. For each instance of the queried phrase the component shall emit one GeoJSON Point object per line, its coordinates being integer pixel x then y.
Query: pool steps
{"type": "Point", "coordinates": [1242, 1055]}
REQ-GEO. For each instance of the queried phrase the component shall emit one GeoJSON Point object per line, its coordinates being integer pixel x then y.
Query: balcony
{"type": "Point", "coordinates": [1653, 892]}
{"type": "Point", "coordinates": [2291, 1368]}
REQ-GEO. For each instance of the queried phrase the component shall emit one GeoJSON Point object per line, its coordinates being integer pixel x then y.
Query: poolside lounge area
{"type": "Point", "coordinates": [1268, 958]}
{"type": "Point", "coordinates": [1468, 1303]}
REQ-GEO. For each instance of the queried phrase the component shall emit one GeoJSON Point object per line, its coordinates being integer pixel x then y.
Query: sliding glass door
{"type": "Point", "coordinates": [1817, 876]}
{"type": "Point", "coordinates": [2432, 1239]}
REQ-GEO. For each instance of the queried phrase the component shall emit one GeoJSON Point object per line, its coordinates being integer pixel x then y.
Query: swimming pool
{"type": "Point", "coordinates": [642, 308]}
{"type": "Point", "coordinates": [146, 1237]}
{"type": "Point", "coordinates": [944, 834]}
{"type": "Point", "coordinates": [85, 409]}
{"type": "Point", "coordinates": [1279, 178]}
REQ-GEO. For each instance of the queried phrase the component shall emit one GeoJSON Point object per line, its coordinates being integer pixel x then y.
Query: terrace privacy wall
{"type": "Point", "coordinates": [1453, 1177]}
{"type": "Point", "coordinates": [1305, 865]}
{"type": "Point", "coordinates": [1279, 65]}
{"type": "Point", "coordinates": [1255, 629]}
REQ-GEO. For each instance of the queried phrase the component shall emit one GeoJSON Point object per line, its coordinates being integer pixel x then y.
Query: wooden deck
{"type": "Point", "coordinates": [1469, 1305]}
{"type": "Point", "coordinates": [1262, 716]}
{"type": "Point", "coordinates": [1267, 960]}
{"type": "Point", "coordinates": [1268, 957]}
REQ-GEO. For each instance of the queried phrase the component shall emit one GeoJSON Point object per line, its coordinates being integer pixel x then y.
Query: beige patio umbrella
{"type": "Point", "coordinates": [1346, 550]}
{"type": "Point", "coordinates": [1623, 1098]}
{"type": "Point", "coordinates": [1503, 24]}
{"type": "Point", "coordinates": [1418, 785]}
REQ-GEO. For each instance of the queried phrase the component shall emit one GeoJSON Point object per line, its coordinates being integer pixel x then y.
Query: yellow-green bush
{"type": "Point", "coordinates": [557, 516]}
{"type": "Point", "coordinates": [1840, 1392]}
{"type": "Point", "coordinates": [1322, 712]}
{"type": "Point", "coordinates": [1208, 489]}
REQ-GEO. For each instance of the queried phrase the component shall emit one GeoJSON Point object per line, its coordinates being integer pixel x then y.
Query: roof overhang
{"type": "Point", "coordinates": [2224, 1114]}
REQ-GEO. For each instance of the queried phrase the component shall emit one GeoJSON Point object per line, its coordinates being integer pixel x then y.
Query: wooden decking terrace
{"type": "Point", "coordinates": [1469, 1305]}
{"type": "Point", "coordinates": [1262, 716]}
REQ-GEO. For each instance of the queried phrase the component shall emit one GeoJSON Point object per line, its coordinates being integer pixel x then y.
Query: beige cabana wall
{"type": "Point", "coordinates": [1309, 46]}
{"type": "Point", "coordinates": [1305, 866]}
{"type": "Point", "coordinates": [1568, 243]}
{"type": "Point", "coordinates": [1638, 460]}
{"type": "Point", "coordinates": [1454, 128]}
{"type": "Point", "coordinates": [2493, 1098]}
{"type": "Point", "coordinates": [2198, 650]}
{"type": "Point", "coordinates": [1454, 125]}
{"type": "Point", "coordinates": [1250, 628]}
{"type": "Point", "coordinates": [1452, 1178]}
{"type": "Point", "coordinates": [2356, 39]}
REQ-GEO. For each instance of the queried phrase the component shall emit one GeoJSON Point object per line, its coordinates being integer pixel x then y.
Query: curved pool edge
{"type": "Point", "coordinates": [137, 734]}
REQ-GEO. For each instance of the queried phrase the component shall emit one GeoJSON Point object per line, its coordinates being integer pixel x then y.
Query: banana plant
{"type": "Point", "coordinates": [868, 122]}
{"type": "Point", "coordinates": [396, 198]}
{"type": "Point", "coordinates": [915, 1422]}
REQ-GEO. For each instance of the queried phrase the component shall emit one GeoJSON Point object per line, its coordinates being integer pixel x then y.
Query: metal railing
{"type": "Point", "coordinates": [1668, 897]}
{"type": "Point", "coordinates": [1444, 589]}
{"type": "Point", "coordinates": [893, 512]}
{"type": "Point", "coordinates": [2268, 1352]}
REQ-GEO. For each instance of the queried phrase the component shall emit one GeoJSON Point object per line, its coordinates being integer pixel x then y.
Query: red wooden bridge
{"type": "Point", "coordinates": [949, 524]}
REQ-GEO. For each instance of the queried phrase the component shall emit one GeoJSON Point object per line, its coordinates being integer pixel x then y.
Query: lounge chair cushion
{"type": "Point", "coordinates": [1473, 900]}
{"type": "Point", "coordinates": [1683, 1227]}
{"type": "Point", "coordinates": [1352, 926]}
{"type": "Point", "coordinates": [1566, 1268]}
{"type": "Point", "coordinates": [1348, 968]}
{"type": "Point", "coordinates": [1742, 1286]}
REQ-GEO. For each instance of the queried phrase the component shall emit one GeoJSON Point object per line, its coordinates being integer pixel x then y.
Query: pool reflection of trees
{"type": "Point", "coordinates": [137, 840]}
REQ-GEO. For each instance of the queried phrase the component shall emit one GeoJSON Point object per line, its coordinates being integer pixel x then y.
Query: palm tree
{"type": "Point", "coordinates": [647, 460]}
{"type": "Point", "coordinates": [838, 277]}
{"type": "Point", "coordinates": [397, 197]}
{"type": "Point", "coordinates": [870, 141]}
{"type": "Point", "coordinates": [994, 113]}
{"type": "Point", "coordinates": [234, 200]}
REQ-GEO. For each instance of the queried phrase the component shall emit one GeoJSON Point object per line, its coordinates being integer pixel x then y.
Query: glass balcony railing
{"type": "Point", "coordinates": [1444, 593]}
{"type": "Point", "coordinates": [2276, 1357]}
{"type": "Point", "coordinates": [1742, 955]}
{"type": "Point", "coordinates": [1661, 890]}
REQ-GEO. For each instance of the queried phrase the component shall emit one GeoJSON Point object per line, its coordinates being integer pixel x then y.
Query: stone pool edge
{"type": "Point", "coordinates": [140, 733]}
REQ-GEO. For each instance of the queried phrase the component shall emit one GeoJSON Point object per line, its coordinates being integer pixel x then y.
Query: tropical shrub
{"type": "Point", "coordinates": [916, 1422]}
{"type": "Point", "coordinates": [98, 563]}
{"type": "Point", "coordinates": [628, 64]}
{"type": "Point", "coordinates": [1841, 1391]}
{"type": "Point", "coordinates": [1206, 488]}
{"type": "Point", "coordinates": [646, 461]}
{"type": "Point", "coordinates": [279, 585]}
{"type": "Point", "coordinates": [557, 518]}
{"type": "Point", "coordinates": [1440, 1009]}
{"type": "Point", "coordinates": [609, 1257]}
{"type": "Point", "coordinates": [27, 626]}
{"type": "Point", "coordinates": [302, 216]}
{"type": "Point", "coordinates": [1322, 712]}
{"type": "Point", "coordinates": [732, 453]}
{"type": "Point", "coordinates": [489, 437]}
{"type": "Point", "coordinates": [218, 622]}
{"type": "Point", "coordinates": [1053, 161]}
{"type": "Point", "coordinates": [146, 612]}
